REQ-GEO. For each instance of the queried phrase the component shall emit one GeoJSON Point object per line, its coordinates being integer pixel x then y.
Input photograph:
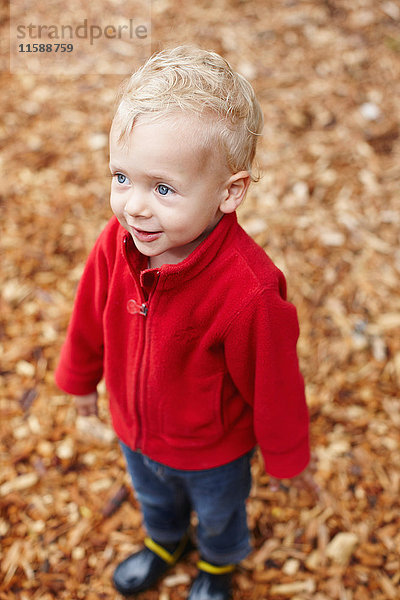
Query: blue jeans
{"type": "Point", "coordinates": [218, 496]}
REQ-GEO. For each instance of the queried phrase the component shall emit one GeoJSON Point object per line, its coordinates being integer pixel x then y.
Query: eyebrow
{"type": "Point", "coordinates": [160, 175]}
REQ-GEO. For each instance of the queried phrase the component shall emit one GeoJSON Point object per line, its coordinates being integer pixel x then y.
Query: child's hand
{"type": "Point", "coordinates": [86, 405]}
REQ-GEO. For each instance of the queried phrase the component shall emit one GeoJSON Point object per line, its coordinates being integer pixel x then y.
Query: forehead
{"type": "Point", "coordinates": [175, 131]}
{"type": "Point", "coordinates": [176, 140]}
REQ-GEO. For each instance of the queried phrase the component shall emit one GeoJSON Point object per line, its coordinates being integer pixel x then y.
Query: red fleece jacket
{"type": "Point", "coordinates": [199, 358]}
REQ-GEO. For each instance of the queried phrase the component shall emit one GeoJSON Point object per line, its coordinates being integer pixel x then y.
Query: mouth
{"type": "Point", "coordinates": [146, 236]}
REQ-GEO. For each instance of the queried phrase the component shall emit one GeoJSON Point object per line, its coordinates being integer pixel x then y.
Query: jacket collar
{"type": "Point", "coordinates": [192, 265]}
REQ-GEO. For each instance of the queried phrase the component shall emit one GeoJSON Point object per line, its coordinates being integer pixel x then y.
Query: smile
{"type": "Point", "coordinates": [146, 236]}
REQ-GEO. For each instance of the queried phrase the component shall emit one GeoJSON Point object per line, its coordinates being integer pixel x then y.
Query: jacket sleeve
{"type": "Point", "coordinates": [262, 361]}
{"type": "Point", "coordinates": [80, 366]}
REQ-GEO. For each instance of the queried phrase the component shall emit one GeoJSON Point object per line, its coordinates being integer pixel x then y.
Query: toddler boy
{"type": "Point", "coordinates": [186, 318]}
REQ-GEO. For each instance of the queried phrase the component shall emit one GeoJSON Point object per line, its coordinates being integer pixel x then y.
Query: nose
{"type": "Point", "coordinates": [136, 205]}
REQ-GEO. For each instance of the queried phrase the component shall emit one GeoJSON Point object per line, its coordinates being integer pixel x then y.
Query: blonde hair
{"type": "Point", "coordinates": [190, 79]}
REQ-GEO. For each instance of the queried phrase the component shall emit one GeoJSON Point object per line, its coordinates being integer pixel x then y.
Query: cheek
{"type": "Point", "coordinates": [178, 225]}
{"type": "Point", "coordinates": [117, 204]}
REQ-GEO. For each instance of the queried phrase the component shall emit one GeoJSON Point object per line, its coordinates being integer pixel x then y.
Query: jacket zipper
{"type": "Point", "coordinates": [142, 373]}
{"type": "Point", "coordinates": [143, 310]}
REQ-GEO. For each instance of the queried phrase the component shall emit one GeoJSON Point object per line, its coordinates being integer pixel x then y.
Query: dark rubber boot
{"type": "Point", "coordinates": [143, 569]}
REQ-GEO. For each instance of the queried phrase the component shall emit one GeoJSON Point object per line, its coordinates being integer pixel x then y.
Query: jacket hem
{"type": "Point", "coordinates": [209, 457]}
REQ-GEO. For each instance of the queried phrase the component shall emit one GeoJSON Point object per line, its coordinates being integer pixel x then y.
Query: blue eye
{"type": "Point", "coordinates": [163, 189]}
{"type": "Point", "coordinates": [121, 178]}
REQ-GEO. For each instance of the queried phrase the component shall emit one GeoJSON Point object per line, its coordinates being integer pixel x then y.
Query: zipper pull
{"type": "Point", "coordinates": [134, 308]}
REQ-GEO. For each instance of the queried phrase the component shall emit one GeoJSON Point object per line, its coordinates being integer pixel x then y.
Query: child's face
{"type": "Point", "coordinates": [167, 189]}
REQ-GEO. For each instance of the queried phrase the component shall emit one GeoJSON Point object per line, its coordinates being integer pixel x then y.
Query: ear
{"type": "Point", "coordinates": [235, 191]}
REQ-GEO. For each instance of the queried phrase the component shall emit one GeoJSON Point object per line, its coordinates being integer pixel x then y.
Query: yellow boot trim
{"type": "Point", "coordinates": [163, 553]}
{"type": "Point", "coordinates": [214, 569]}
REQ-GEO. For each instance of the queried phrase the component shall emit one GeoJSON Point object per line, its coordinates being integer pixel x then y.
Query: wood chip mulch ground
{"type": "Point", "coordinates": [327, 210]}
